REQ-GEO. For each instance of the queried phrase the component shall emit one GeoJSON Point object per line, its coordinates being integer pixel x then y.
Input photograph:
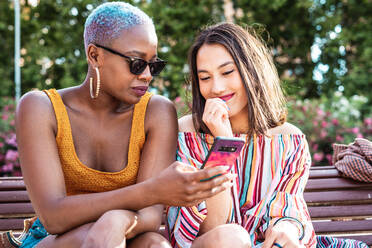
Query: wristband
{"type": "Point", "coordinates": [295, 220]}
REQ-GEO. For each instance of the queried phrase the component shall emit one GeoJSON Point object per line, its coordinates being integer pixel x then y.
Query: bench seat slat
{"type": "Point", "coordinates": [341, 211]}
{"type": "Point", "coordinates": [13, 196]}
{"type": "Point", "coordinates": [334, 183]}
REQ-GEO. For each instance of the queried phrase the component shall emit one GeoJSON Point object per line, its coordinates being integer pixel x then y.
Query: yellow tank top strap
{"type": "Point", "coordinates": [63, 123]}
{"type": "Point", "coordinates": [137, 136]}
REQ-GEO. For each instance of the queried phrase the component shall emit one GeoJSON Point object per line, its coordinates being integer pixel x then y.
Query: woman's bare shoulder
{"type": "Point", "coordinates": [186, 124]}
{"type": "Point", "coordinates": [160, 112]}
{"type": "Point", "coordinates": [34, 102]}
{"type": "Point", "coordinates": [286, 129]}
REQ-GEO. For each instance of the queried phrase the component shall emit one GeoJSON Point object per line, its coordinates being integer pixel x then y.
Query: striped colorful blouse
{"type": "Point", "coordinates": [272, 174]}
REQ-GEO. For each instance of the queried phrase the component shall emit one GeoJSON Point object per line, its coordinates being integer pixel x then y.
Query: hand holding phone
{"type": "Point", "coordinates": [224, 152]}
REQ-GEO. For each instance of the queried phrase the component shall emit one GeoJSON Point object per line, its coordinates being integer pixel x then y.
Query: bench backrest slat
{"type": "Point", "coordinates": [340, 211]}
{"type": "Point", "coordinates": [324, 174]}
{"type": "Point", "coordinates": [343, 226]}
{"type": "Point", "coordinates": [24, 208]}
{"type": "Point", "coordinates": [14, 196]}
{"type": "Point", "coordinates": [334, 183]}
{"type": "Point", "coordinates": [341, 196]}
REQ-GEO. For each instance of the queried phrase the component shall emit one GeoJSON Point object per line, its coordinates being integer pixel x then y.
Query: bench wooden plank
{"type": "Point", "coordinates": [341, 196]}
{"type": "Point", "coordinates": [11, 224]}
{"type": "Point", "coordinates": [13, 196]}
{"type": "Point", "coordinates": [331, 173]}
{"type": "Point", "coordinates": [340, 211]}
{"type": "Point", "coordinates": [335, 183]}
{"type": "Point", "coordinates": [9, 184]}
{"type": "Point", "coordinates": [321, 167]}
{"type": "Point", "coordinates": [342, 226]}
{"type": "Point", "coordinates": [7, 209]}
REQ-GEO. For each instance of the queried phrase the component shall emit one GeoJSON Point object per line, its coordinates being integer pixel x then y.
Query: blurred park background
{"type": "Point", "coordinates": [322, 50]}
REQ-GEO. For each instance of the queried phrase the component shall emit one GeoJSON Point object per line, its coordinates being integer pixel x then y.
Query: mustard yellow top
{"type": "Point", "coordinates": [79, 178]}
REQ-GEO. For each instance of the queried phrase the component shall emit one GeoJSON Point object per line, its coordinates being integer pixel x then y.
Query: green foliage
{"type": "Point", "coordinates": [53, 54]}
{"type": "Point", "coordinates": [290, 35]}
{"type": "Point", "coordinates": [177, 23]}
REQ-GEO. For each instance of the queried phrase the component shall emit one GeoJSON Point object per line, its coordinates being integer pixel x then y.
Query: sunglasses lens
{"type": "Point", "coordinates": [157, 67]}
{"type": "Point", "coordinates": [137, 66]}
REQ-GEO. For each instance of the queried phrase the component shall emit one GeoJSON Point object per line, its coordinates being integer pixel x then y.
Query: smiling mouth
{"type": "Point", "coordinates": [140, 90]}
{"type": "Point", "coordinates": [226, 97]}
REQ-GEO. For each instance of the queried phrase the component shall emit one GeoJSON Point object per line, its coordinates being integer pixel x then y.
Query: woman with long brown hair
{"type": "Point", "coordinates": [236, 92]}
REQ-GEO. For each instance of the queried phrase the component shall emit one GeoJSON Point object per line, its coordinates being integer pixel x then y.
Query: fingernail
{"type": "Point", "coordinates": [227, 185]}
{"type": "Point", "coordinates": [225, 167]}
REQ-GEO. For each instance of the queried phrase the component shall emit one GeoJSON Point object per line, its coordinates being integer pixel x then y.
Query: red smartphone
{"type": "Point", "coordinates": [224, 151]}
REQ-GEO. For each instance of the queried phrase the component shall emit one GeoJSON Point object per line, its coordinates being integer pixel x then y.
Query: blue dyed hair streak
{"type": "Point", "coordinates": [108, 20]}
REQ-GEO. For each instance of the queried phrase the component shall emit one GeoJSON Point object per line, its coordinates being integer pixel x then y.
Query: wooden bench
{"type": "Point", "coordinates": [338, 206]}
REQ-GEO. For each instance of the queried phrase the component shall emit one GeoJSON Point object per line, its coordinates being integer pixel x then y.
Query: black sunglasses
{"type": "Point", "coordinates": [138, 65]}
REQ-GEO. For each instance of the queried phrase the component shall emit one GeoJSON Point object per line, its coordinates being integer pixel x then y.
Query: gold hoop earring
{"type": "Point", "coordinates": [93, 96]}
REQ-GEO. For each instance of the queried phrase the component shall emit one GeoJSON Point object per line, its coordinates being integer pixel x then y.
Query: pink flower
{"type": "Point", "coordinates": [324, 124]}
{"type": "Point", "coordinates": [355, 130]}
{"type": "Point", "coordinates": [1, 144]}
{"type": "Point", "coordinates": [315, 147]}
{"type": "Point", "coordinates": [318, 156]}
{"type": "Point", "coordinates": [177, 99]}
{"type": "Point", "coordinates": [359, 135]}
{"type": "Point", "coordinates": [6, 108]}
{"type": "Point", "coordinates": [12, 140]}
{"type": "Point", "coordinates": [315, 123]}
{"type": "Point", "coordinates": [12, 122]}
{"type": "Point", "coordinates": [7, 168]}
{"type": "Point", "coordinates": [320, 112]}
{"type": "Point", "coordinates": [323, 134]}
{"type": "Point", "coordinates": [5, 117]}
{"type": "Point", "coordinates": [329, 158]}
{"type": "Point", "coordinates": [335, 122]}
{"type": "Point", "coordinates": [11, 155]}
{"type": "Point", "coordinates": [339, 138]}
{"type": "Point", "coordinates": [17, 173]}
{"type": "Point", "coordinates": [368, 121]}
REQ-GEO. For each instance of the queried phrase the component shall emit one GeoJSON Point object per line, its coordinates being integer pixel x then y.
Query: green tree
{"type": "Point", "coordinates": [53, 53]}
{"type": "Point", "coordinates": [343, 30]}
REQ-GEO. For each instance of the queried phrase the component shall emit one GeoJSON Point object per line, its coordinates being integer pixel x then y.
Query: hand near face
{"type": "Point", "coordinates": [216, 117]}
{"type": "Point", "coordinates": [283, 233]}
{"type": "Point", "coordinates": [181, 184]}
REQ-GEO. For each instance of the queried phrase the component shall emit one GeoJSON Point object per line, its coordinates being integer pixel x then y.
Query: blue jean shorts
{"type": "Point", "coordinates": [36, 233]}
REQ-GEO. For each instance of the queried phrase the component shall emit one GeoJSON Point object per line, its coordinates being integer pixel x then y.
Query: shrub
{"type": "Point", "coordinates": [327, 121]}
{"type": "Point", "coordinates": [9, 161]}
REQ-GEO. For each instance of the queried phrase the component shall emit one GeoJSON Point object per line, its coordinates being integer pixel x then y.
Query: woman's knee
{"type": "Point", "coordinates": [150, 240]}
{"type": "Point", "coordinates": [228, 235]}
